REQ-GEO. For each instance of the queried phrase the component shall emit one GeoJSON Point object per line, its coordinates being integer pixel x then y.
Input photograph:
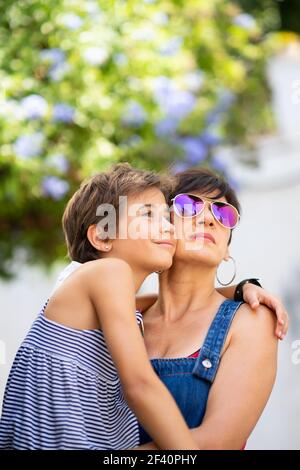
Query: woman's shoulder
{"type": "Point", "coordinates": [260, 321]}
{"type": "Point", "coordinates": [253, 330]}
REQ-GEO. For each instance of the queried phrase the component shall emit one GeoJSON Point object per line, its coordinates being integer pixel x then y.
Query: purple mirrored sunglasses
{"type": "Point", "coordinates": [189, 205]}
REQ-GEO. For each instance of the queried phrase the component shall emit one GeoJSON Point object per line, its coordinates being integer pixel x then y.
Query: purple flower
{"type": "Point", "coordinates": [71, 21]}
{"type": "Point", "coordinates": [216, 115]}
{"type": "Point", "coordinates": [58, 71]}
{"type": "Point", "coordinates": [59, 162]}
{"type": "Point", "coordinates": [55, 187]}
{"type": "Point", "coordinates": [177, 167]}
{"type": "Point", "coordinates": [34, 106]}
{"type": "Point", "coordinates": [180, 104]}
{"type": "Point", "coordinates": [194, 149]}
{"type": "Point", "coordinates": [63, 113]}
{"type": "Point", "coordinates": [219, 164]}
{"type": "Point", "coordinates": [53, 56]}
{"type": "Point", "coordinates": [134, 115]}
{"type": "Point", "coordinates": [245, 21]}
{"type": "Point", "coordinates": [226, 99]}
{"type": "Point", "coordinates": [163, 86]}
{"type": "Point", "coordinates": [30, 145]}
{"type": "Point", "coordinates": [172, 47]}
{"type": "Point", "coordinates": [120, 59]}
{"type": "Point", "coordinates": [210, 139]}
{"type": "Point", "coordinates": [173, 102]}
{"type": "Point", "coordinates": [166, 126]}
{"type": "Point", "coordinates": [56, 58]}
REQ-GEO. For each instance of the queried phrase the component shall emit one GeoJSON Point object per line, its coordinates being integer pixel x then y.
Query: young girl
{"type": "Point", "coordinates": [84, 356]}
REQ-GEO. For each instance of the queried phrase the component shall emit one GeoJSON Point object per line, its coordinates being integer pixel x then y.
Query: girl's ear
{"type": "Point", "coordinates": [96, 241]}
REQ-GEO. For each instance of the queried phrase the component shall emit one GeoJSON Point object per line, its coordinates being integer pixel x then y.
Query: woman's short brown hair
{"type": "Point", "coordinates": [102, 188]}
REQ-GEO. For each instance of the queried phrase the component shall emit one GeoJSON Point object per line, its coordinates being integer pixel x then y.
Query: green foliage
{"type": "Point", "coordinates": [85, 84]}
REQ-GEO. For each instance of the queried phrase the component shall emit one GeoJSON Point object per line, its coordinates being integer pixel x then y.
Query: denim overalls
{"type": "Point", "coordinates": [189, 379]}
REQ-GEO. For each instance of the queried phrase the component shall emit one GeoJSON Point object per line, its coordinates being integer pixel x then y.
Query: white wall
{"type": "Point", "coordinates": [267, 245]}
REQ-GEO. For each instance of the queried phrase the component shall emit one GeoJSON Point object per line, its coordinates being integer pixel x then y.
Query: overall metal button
{"type": "Point", "coordinates": [207, 364]}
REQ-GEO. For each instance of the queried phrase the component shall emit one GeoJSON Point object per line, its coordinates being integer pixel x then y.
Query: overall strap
{"type": "Point", "coordinates": [207, 362]}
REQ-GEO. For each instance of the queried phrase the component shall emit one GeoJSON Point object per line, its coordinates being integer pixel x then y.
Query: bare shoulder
{"type": "Point", "coordinates": [259, 323]}
{"type": "Point", "coordinates": [107, 266]}
{"type": "Point", "coordinates": [103, 274]}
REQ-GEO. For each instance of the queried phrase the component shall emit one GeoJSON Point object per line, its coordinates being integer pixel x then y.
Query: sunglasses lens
{"type": "Point", "coordinates": [225, 214]}
{"type": "Point", "coordinates": [187, 205]}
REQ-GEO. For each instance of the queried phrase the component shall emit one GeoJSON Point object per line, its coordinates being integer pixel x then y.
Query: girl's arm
{"type": "Point", "coordinates": [144, 301]}
{"type": "Point", "coordinates": [250, 364]}
{"type": "Point", "coordinates": [110, 286]}
{"type": "Point", "coordinates": [253, 295]}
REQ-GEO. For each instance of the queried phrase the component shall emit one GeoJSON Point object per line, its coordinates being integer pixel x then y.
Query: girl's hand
{"type": "Point", "coordinates": [255, 296]}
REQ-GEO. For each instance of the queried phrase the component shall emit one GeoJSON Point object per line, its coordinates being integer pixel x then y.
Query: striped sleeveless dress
{"type": "Point", "coordinates": [63, 392]}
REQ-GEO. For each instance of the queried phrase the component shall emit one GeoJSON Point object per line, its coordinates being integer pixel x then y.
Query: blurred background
{"type": "Point", "coordinates": [164, 85]}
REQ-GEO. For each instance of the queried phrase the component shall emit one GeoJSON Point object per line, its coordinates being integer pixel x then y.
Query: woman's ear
{"type": "Point", "coordinates": [96, 240]}
{"type": "Point", "coordinates": [227, 254]}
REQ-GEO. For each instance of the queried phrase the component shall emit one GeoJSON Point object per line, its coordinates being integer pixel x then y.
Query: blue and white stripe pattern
{"type": "Point", "coordinates": [63, 392]}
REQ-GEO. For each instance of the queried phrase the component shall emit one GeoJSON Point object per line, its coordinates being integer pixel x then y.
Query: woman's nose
{"type": "Point", "coordinates": [206, 216]}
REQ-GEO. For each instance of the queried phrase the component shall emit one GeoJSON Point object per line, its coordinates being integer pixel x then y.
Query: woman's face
{"type": "Point", "coordinates": [201, 239]}
{"type": "Point", "coordinates": [147, 240]}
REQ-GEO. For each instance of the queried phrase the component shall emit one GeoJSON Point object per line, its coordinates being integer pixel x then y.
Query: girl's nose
{"type": "Point", "coordinates": [167, 226]}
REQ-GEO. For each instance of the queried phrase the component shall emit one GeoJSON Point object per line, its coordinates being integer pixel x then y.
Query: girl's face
{"type": "Point", "coordinates": [146, 236]}
{"type": "Point", "coordinates": [201, 239]}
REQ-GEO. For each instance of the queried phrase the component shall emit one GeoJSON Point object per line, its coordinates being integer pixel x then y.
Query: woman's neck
{"type": "Point", "coordinates": [185, 289]}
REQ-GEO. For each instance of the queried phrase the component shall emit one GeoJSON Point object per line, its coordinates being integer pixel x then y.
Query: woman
{"type": "Point", "coordinates": [217, 359]}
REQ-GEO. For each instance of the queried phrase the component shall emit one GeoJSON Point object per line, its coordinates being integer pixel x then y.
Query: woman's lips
{"type": "Point", "coordinates": [204, 235]}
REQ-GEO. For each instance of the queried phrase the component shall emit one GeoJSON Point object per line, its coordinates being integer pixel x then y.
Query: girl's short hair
{"type": "Point", "coordinates": [103, 188]}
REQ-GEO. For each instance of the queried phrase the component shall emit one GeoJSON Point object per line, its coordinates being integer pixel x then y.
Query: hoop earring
{"type": "Point", "coordinates": [233, 277]}
{"type": "Point", "coordinates": [159, 272]}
